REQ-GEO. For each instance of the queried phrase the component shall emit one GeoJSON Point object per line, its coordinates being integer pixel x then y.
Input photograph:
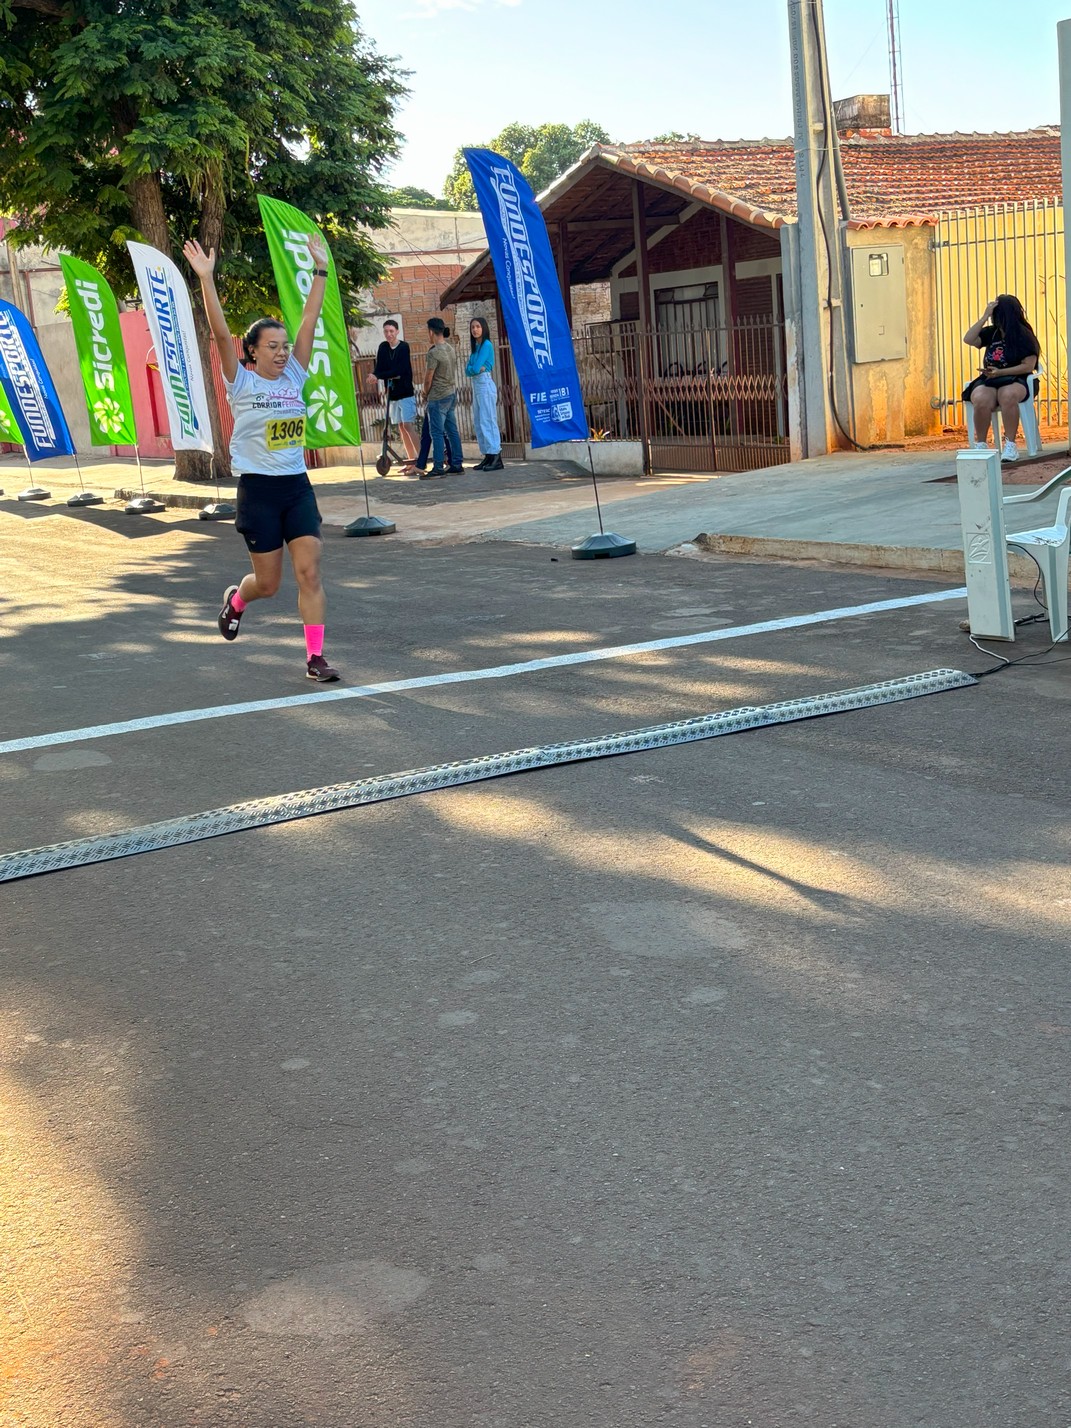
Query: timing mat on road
{"type": "Point", "coordinates": [285, 808]}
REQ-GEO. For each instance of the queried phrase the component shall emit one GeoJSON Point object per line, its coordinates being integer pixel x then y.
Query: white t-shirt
{"type": "Point", "coordinates": [269, 421]}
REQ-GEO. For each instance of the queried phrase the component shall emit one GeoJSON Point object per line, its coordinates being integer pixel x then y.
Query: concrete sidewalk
{"type": "Point", "coordinates": [876, 508]}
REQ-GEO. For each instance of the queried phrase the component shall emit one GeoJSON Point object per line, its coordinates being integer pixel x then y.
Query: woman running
{"type": "Point", "coordinates": [276, 502]}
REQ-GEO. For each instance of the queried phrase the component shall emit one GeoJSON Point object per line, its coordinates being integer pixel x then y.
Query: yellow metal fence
{"type": "Point", "coordinates": [1006, 248]}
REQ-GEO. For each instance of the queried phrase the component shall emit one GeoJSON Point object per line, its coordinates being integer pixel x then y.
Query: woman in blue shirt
{"type": "Point", "coordinates": [484, 396]}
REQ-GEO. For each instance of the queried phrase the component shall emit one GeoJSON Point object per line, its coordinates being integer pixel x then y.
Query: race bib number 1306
{"type": "Point", "coordinates": [285, 434]}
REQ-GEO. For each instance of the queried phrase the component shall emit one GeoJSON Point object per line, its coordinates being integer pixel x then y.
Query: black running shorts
{"type": "Point", "coordinates": [273, 510]}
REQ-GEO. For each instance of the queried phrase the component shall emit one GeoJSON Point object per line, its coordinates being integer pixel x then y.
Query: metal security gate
{"type": "Point", "coordinates": [1003, 248]}
{"type": "Point", "coordinates": [699, 398]}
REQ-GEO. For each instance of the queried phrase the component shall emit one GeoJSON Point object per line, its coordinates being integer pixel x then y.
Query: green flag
{"type": "Point", "coordinates": [101, 356]}
{"type": "Point", "coordinates": [9, 427]}
{"type": "Point", "coordinates": [329, 392]}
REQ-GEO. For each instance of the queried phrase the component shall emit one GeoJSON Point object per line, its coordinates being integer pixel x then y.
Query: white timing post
{"type": "Point", "coordinates": [985, 548]}
{"type": "Point", "coordinates": [821, 285]}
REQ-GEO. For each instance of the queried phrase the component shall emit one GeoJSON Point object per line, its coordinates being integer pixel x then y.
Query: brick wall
{"type": "Point", "coordinates": [750, 243]}
{"type": "Point", "coordinates": [697, 244]}
{"type": "Point", "coordinates": [412, 290]}
{"type": "Point", "coordinates": [754, 297]}
{"type": "Point", "coordinates": [591, 303]}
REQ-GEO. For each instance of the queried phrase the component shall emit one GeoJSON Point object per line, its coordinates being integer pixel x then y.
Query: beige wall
{"type": "Point", "coordinates": [892, 399]}
{"type": "Point", "coordinates": [61, 358]}
{"type": "Point", "coordinates": [31, 279]}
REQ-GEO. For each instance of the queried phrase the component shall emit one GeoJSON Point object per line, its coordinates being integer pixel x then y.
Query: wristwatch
{"type": "Point", "coordinates": [319, 273]}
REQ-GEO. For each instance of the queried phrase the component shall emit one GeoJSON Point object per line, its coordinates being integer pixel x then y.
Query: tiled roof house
{"type": "Point", "coordinates": [893, 179]}
{"type": "Point", "coordinates": [719, 219]}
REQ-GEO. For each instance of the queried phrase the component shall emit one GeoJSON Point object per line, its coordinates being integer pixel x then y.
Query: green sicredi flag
{"type": "Point", "coordinates": [329, 393]}
{"type": "Point", "coordinates": [9, 427]}
{"type": "Point", "coordinates": [101, 355]}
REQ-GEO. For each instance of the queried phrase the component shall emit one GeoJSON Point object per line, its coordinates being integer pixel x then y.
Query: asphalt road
{"type": "Point", "coordinates": [715, 1086]}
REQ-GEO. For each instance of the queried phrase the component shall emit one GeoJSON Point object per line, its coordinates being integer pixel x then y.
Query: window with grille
{"type": "Point", "coordinates": [686, 323]}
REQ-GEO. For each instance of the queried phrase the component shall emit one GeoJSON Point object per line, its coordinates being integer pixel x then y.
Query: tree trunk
{"type": "Point", "coordinates": [210, 235]}
{"type": "Point", "coordinates": [221, 454]}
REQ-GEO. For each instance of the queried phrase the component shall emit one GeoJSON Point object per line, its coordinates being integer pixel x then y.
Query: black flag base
{"type": "Point", "coordinates": [603, 546]}
{"type": "Point", "coordinates": [217, 511]}
{"type": "Point", "coordinates": [369, 526]}
{"type": "Point", "coordinates": [34, 493]}
{"type": "Point", "coordinates": [85, 498]}
{"type": "Point", "coordinates": [143, 506]}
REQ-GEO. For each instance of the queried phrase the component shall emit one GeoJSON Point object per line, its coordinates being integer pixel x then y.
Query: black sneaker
{"type": "Point", "coordinates": [431, 475]}
{"type": "Point", "coordinates": [494, 463]}
{"type": "Point", "coordinates": [229, 618]}
{"type": "Point", "coordinates": [480, 465]}
{"type": "Point", "coordinates": [320, 670]}
{"type": "Point", "coordinates": [454, 470]}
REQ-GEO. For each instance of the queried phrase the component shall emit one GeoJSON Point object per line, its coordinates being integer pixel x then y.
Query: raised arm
{"type": "Point", "coordinates": [204, 265]}
{"type": "Point", "coordinates": [313, 303]}
{"type": "Point", "coordinates": [971, 336]}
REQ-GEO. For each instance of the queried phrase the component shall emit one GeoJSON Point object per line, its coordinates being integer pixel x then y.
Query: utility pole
{"type": "Point", "coordinates": [821, 317]}
{"type": "Point", "coordinates": [1063, 41]}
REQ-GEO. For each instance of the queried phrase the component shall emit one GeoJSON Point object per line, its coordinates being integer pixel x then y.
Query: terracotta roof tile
{"type": "Point", "coordinates": [912, 177]}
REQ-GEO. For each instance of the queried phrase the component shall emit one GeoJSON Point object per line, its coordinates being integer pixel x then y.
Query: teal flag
{"type": "Point", "coordinates": [330, 396]}
{"type": "Point", "coordinates": [101, 356]}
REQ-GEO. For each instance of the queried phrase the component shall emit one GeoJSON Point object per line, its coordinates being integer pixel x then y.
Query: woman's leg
{"type": "Point", "coordinates": [266, 576]}
{"type": "Point", "coordinates": [1009, 398]}
{"type": "Point", "coordinates": [984, 402]}
{"type": "Point", "coordinates": [408, 439]}
{"type": "Point", "coordinates": [424, 452]}
{"type": "Point", "coordinates": [486, 399]}
{"type": "Point", "coordinates": [305, 552]}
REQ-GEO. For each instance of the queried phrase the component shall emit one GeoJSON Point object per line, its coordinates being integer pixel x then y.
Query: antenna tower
{"type": "Point", "coordinates": [896, 92]}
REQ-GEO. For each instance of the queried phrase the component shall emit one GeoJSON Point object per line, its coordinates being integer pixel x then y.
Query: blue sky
{"type": "Point", "coordinates": [709, 67]}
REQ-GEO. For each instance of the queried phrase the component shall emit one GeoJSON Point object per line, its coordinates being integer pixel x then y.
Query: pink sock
{"type": "Point", "coordinates": [237, 602]}
{"type": "Point", "coordinates": [314, 640]}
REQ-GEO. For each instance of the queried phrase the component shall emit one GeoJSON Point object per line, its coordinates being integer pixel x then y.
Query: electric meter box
{"type": "Point", "coordinates": [878, 303]}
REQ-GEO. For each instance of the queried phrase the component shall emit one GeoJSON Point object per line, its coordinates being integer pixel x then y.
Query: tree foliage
{"type": "Point", "coordinates": [409, 197]}
{"type": "Point", "coordinates": [542, 153]}
{"type": "Point", "coordinates": [674, 136]}
{"type": "Point", "coordinates": [162, 119]}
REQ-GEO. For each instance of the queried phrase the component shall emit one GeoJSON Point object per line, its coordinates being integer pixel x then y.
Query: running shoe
{"type": "Point", "coordinates": [229, 618]}
{"type": "Point", "coordinates": [321, 671]}
{"type": "Point", "coordinates": [1010, 452]}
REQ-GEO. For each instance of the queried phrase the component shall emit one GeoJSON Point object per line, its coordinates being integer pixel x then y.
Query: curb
{"type": "Point", "coordinates": [925, 559]}
{"type": "Point", "coordinates": [176, 500]}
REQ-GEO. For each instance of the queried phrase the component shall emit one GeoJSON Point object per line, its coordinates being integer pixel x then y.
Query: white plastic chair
{"type": "Point", "coordinates": [1028, 417]}
{"type": "Point", "coordinates": [1049, 545]}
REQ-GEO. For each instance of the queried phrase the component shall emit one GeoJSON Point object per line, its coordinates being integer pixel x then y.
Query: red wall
{"type": "Point", "coordinates": [147, 392]}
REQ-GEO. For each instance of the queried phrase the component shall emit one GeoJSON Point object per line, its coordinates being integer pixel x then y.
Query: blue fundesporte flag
{"type": "Point", "coordinates": [29, 388]}
{"type": "Point", "coordinates": [531, 296]}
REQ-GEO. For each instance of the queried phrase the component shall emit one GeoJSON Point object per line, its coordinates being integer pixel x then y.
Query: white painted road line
{"type": "Point", "coordinates": [465, 676]}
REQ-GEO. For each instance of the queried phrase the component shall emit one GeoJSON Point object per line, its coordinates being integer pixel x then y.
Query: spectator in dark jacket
{"type": "Point", "coordinates": [394, 368]}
